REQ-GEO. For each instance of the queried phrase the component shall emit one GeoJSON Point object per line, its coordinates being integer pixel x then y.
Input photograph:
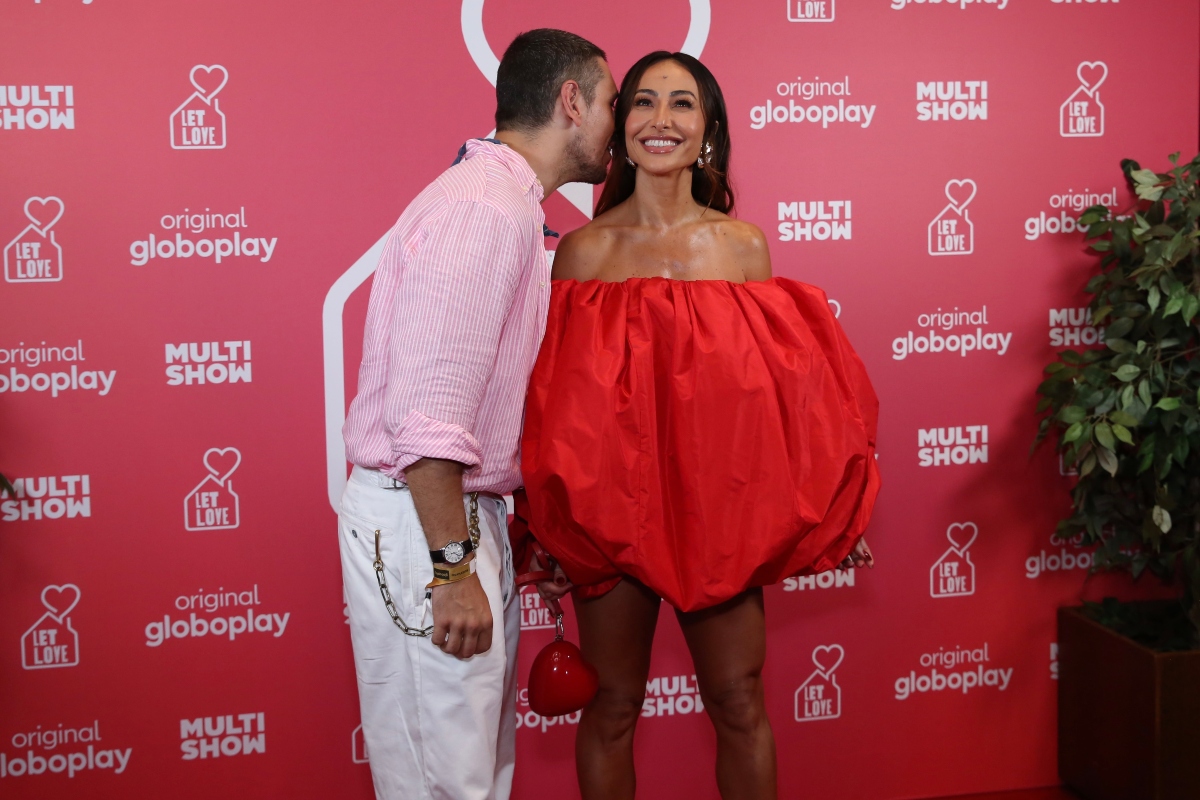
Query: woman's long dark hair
{"type": "Point", "coordinates": [710, 183]}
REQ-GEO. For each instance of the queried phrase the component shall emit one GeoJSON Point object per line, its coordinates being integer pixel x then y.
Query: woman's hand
{"type": "Point", "coordinates": [551, 591]}
{"type": "Point", "coordinates": [860, 556]}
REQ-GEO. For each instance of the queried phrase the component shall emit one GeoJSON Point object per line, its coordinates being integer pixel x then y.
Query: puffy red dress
{"type": "Point", "coordinates": [703, 437]}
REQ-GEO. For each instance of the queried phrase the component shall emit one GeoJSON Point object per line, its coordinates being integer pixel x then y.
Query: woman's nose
{"type": "Point", "coordinates": [662, 118]}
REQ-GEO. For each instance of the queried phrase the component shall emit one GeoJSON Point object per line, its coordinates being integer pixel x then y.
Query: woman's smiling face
{"type": "Point", "coordinates": [664, 131]}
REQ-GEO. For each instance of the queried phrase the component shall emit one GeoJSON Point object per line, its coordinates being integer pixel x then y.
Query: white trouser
{"type": "Point", "coordinates": [436, 726]}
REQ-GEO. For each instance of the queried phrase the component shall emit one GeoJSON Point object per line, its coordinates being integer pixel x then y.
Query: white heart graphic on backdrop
{"type": "Point", "coordinates": [960, 193]}
{"type": "Point", "coordinates": [827, 657]}
{"type": "Point", "coordinates": [962, 535]}
{"type": "Point", "coordinates": [208, 79]}
{"type": "Point", "coordinates": [38, 210]}
{"type": "Point", "coordinates": [222, 462]}
{"type": "Point", "coordinates": [60, 599]}
{"type": "Point", "coordinates": [1091, 74]}
{"type": "Point", "coordinates": [471, 18]}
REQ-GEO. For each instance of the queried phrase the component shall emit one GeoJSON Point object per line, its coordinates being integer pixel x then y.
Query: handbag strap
{"type": "Point", "coordinates": [537, 576]}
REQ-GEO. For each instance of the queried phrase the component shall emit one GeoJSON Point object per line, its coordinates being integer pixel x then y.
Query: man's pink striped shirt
{"type": "Point", "coordinates": [457, 313]}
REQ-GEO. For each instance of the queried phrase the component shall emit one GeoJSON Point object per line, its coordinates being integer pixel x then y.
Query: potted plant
{"type": "Point", "coordinates": [1127, 417]}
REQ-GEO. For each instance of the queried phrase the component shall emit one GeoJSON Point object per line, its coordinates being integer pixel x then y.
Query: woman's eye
{"type": "Point", "coordinates": [642, 101]}
{"type": "Point", "coordinates": [683, 104]}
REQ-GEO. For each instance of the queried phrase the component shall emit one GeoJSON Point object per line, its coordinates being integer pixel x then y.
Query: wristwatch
{"type": "Point", "coordinates": [452, 553]}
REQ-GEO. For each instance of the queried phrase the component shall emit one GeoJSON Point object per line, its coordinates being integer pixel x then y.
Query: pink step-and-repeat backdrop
{"type": "Point", "coordinates": [192, 201]}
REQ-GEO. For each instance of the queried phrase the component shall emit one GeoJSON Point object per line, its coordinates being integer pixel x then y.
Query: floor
{"type": "Point", "coordinates": [1050, 793]}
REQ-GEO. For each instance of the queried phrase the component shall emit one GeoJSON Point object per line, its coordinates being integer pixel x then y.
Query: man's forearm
{"type": "Point", "coordinates": [436, 488]}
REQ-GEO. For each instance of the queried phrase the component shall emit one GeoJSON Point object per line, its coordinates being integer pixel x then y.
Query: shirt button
{"type": "Point", "coordinates": [542, 284]}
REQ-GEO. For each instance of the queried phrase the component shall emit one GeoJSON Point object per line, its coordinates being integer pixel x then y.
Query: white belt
{"type": "Point", "coordinates": [374, 477]}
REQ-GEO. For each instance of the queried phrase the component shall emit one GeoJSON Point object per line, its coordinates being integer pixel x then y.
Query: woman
{"type": "Point", "coordinates": [695, 430]}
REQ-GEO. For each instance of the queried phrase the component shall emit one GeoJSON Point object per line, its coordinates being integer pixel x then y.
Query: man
{"type": "Point", "coordinates": [457, 314]}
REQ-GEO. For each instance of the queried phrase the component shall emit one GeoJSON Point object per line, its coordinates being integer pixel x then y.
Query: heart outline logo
{"type": "Point", "coordinates": [200, 87]}
{"type": "Point", "coordinates": [220, 453]}
{"type": "Point", "coordinates": [824, 650]}
{"type": "Point", "coordinates": [471, 19]}
{"type": "Point", "coordinates": [580, 195]}
{"type": "Point", "coordinates": [1086, 70]}
{"type": "Point", "coordinates": [951, 185]}
{"type": "Point", "coordinates": [53, 606]}
{"type": "Point", "coordinates": [959, 528]}
{"type": "Point", "coordinates": [43, 202]}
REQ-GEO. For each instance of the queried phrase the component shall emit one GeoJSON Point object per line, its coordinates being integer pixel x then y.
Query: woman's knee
{"type": "Point", "coordinates": [737, 707]}
{"type": "Point", "coordinates": [614, 713]}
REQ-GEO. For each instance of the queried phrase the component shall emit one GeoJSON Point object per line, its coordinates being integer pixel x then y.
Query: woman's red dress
{"type": "Point", "coordinates": [703, 437]}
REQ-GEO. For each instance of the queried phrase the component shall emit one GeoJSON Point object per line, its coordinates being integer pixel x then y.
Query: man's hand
{"type": "Point", "coordinates": [462, 619]}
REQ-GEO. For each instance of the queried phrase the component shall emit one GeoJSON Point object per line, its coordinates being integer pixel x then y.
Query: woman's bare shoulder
{"type": "Point", "coordinates": [746, 244]}
{"type": "Point", "coordinates": [583, 251]}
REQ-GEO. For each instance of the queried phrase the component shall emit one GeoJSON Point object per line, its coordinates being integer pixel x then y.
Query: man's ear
{"type": "Point", "coordinates": [570, 101]}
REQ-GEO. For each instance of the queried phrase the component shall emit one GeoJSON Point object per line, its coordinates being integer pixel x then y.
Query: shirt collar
{"type": "Point", "coordinates": [516, 164]}
{"type": "Point", "coordinates": [513, 161]}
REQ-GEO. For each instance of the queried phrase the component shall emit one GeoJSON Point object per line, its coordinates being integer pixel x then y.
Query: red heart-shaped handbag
{"type": "Point", "coordinates": [560, 681]}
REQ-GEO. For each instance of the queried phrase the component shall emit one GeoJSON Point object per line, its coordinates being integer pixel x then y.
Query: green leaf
{"type": "Point", "coordinates": [1123, 418]}
{"type": "Point", "coordinates": [1122, 433]}
{"type": "Point", "coordinates": [1168, 403]}
{"type": "Point", "coordinates": [1144, 393]}
{"type": "Point", "coordinates": [1173, 305]}
{"type": "Point", "coordinates": [1118, 328]}
{"type": "Point", "coordinates": [1191, 305]}
{"type": "Point", "coordinates": [1088, 465]}
{"type": "Point", "coordinates": [1162, 518]}
{"type": "Point", "coordinates": [1071, 357]}
{"type": "Point", "coordinates": [1104, 435]}
{"type": "Point", "coordinates": [1166, 467]}
{"type": "Point", "coordinates": [1119, 345]}
{"type": "Point", "coordinates": [1128, 372]}
{"type": "Point", "coordinates": [1144, 177]}
{"type": "Point", "coordinates": [1153, 298]}
{"type": "Point", "coordinates": [1107, 459]}
{"type": "Point", "coordinates": [1072, 414]}
{"type": "Point", "coordinates": [1073, 433]}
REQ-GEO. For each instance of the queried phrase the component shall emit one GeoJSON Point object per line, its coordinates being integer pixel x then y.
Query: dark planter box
{"type": "Point", "coordinates": [1128, 717]}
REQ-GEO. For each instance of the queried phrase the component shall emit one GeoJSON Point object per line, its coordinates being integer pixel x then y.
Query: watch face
{"type": "Point", "coordinates": [453, 553]}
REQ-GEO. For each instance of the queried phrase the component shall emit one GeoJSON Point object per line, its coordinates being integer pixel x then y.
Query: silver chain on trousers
{"type": "Point", "coordinates": [381, 579]}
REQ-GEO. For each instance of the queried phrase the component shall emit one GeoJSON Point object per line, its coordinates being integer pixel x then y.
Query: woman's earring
{"type": "Point", "coordinates": [631, 162]}
{"type": "Point", "coordinates": [705, 155]}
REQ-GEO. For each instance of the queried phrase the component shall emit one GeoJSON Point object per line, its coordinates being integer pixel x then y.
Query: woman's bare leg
{"type": "Point", "coordinates": [729, 645]}
{"type": "Point", "coordinates": [616, 632]}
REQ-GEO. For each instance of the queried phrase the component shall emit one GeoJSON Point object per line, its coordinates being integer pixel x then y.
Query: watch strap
{"type": "Point", "coordinates": [439, 556]}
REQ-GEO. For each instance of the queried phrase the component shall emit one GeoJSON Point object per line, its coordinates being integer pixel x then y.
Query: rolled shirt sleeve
{"type": "Point", "coordinates": [448, 314]}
